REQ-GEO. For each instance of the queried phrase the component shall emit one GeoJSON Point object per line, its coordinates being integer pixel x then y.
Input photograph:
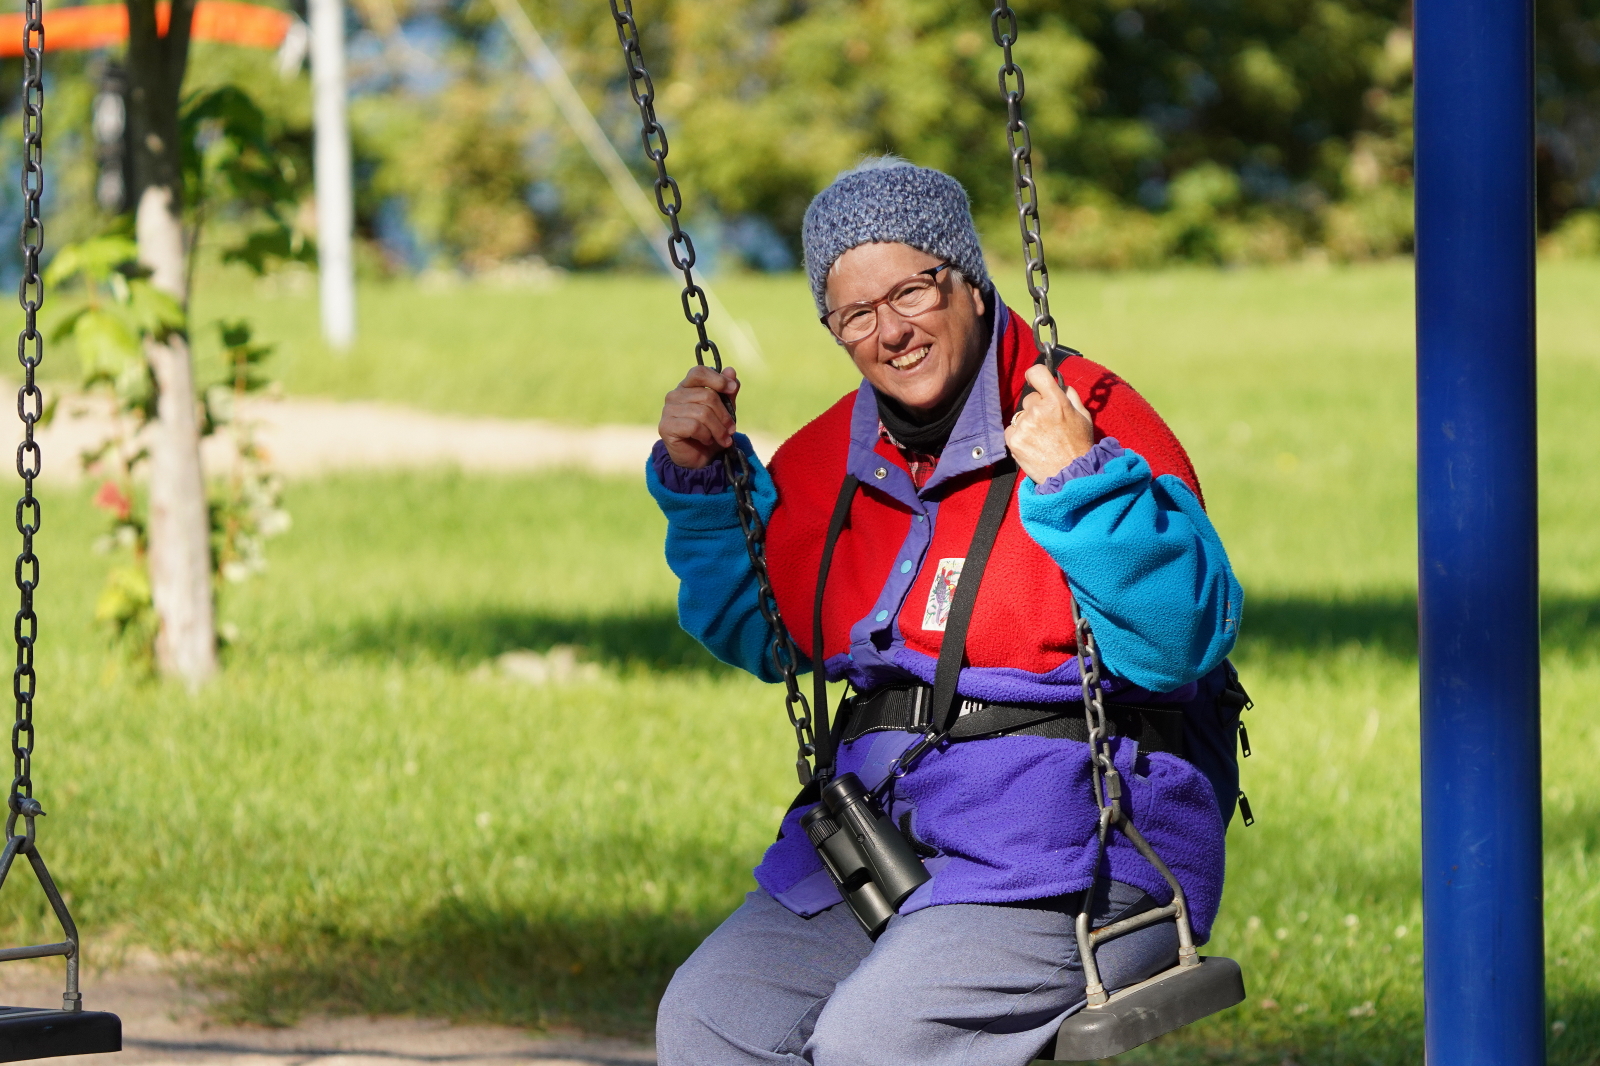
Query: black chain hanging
{"type": "Point", "coordinates": [92, 1031]}
{"type": "Point", "coordinates": [1106, 779]}
{"type": "Point", "coordinates": [680, 249]}
{"type": "Point", "coordinates": [30, 408]}
{"type": "Point", "coordinates": [1003, 23]}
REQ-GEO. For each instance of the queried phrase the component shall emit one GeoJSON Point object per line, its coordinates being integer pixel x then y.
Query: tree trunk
{"type": "Point", "coordinates": [180, 527]}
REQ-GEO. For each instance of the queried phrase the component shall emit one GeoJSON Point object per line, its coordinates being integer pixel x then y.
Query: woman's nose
{"type": "Point", "coordinates": [892, 328]}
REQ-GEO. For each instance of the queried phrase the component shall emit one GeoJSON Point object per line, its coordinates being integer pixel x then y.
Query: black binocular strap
{"type": "Point", "coordinates": [943, 706]}
{"type": "Point", "coordinates": [825, 741]}
{"type": "Point", "coordinates": [942, 710]}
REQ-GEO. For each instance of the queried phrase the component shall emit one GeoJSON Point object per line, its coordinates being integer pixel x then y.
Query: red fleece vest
{"type": "Point", "coordinates": [1023, 615]}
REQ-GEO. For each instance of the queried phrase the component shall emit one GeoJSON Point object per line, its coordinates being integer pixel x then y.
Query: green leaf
{"type": "Point", "coordinates": [67, 324]}
{"type": "Point", "coordinates": [260, 249]}
{"type": "Point", "coordinates": [154, 312]}
{"type": "Point", "coordinates": [95, 260]}
{"type": "Point", "coordinates": [106, 344]}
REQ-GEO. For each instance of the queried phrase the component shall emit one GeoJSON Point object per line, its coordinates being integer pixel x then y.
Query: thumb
{"type": "Point", "coordinates": [1041, 379]}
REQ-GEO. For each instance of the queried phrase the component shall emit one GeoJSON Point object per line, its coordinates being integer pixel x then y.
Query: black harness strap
{"type": "Point", "coordinates": [1156, 727]}
{"type": "Point", "coordinates": [954, 647]}
{"type": "Point", "coordinates": [819, 674]}
{"type": "Point", "coordinates": [943, 711]}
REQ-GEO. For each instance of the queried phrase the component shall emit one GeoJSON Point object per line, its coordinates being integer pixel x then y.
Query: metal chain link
{"type": "Point", "coordinates": [680, 249]}
{"type": "Point", "coordinates": [1103, 773]}
{"type": "Point", "coordinates": [30, 408]}
{"type": "Point", "coordinates": [1107, 780]}
{"type": "Point", "coordinates": [1003, 24]}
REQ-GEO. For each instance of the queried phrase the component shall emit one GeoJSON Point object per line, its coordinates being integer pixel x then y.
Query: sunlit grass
{"type": "Point", "coordinates": [357, 816]}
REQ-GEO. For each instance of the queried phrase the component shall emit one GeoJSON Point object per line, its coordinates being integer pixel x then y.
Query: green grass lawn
{"type": "Point", "coordinates": [358, 817]}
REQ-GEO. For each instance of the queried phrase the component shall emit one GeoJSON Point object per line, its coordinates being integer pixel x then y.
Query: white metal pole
{"type": "Point", "coordinates": [335, 202]}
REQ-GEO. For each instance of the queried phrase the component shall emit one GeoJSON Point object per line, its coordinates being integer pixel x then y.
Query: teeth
{"type": "Point", "coordinates": [910, 359]}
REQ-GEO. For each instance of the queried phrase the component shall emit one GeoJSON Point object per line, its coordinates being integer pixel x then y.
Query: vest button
{"type": "Point", "coordinates": [977, 453]}
{"type": "Point", "coordinates": [880, 473]}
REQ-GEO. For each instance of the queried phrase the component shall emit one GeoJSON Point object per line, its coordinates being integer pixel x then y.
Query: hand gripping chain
{"type": "Point", "coordinates": [1106, 778]}
{"type": "Point", "coordinates": [680, 249]}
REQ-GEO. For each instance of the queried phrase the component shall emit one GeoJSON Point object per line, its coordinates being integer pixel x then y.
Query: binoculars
{"type": "Point", "coordinates": [868, 858]}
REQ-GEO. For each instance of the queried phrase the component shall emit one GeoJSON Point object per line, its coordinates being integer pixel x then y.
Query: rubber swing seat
{"type": "Point", "coordinates": [34, 1033]}
{"type": "Point", "coordinates": [1139, 1013]}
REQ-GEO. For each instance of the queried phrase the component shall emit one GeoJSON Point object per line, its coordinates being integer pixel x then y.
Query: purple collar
{"type": "Point", "coordinates": [978, 439]}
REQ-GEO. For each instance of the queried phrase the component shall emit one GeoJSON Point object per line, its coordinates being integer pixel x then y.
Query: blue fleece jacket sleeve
{"type": "Point", "coordinates": [716, 586]}
{"type": "Point", "coordinates": [1146, 566]}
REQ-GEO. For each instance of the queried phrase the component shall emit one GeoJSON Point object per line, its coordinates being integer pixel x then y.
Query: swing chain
{"type": "Point", "coordinates": [680, 250]}
{"type": "Point", "coordinates": [1003, 24]}
{"type": "Point", "coordinates": [784, 654]}
{"type": "Point", "coordinates": [669, 199]}
{"type": "Point", "coordinates": [30, 408]}
{"type": "Point", "coordinates": [1107, 780]}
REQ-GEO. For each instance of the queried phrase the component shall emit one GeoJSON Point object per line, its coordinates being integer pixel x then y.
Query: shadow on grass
{"type": "Point", "coordinates": [651, 639]}
{"type": "Point", "coordinates": [602, 969]}
{"type": "Point", "coordinates": [648, 639]}
{"type": "Point", "coordinates": [1389, 624]}
{"type": "Point", "coordinates": [467, 961]}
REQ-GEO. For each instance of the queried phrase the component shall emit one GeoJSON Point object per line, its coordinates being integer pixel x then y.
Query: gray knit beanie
{"type": "Point", "coordinates": [887, 199]}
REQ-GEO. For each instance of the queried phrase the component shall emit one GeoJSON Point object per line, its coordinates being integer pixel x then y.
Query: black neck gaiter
{"type": "Point", "coordinates": [920, 433]}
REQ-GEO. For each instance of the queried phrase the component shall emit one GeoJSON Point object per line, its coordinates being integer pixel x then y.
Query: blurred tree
{"type": "Point", "coordinates": [1248, 130]}
{"type": "Point", "coordinates": [1567, 81]}
{"type": "Point", "coordinates": [179, 558]}
{"type": "Point", "coordinates": [1255, 130]}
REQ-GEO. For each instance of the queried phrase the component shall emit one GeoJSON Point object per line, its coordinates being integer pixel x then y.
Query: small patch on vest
{"type": "Point", "coordinates": [936, 614]}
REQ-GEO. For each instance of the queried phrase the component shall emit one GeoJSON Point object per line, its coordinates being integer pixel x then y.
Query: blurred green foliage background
{"type": "Point", "coordinates": [1247, 131]}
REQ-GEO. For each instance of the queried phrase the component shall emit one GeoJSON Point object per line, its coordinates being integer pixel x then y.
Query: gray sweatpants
{"type": "Point", "coordinates": [955, 985]}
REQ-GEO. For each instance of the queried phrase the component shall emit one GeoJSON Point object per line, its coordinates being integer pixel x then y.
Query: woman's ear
{"type": "Point", "coordinates": [978, 304]}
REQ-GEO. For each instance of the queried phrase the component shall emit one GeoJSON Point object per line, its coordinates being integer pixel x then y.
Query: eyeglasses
{"type": "Point", "coordinates": [916, 295]}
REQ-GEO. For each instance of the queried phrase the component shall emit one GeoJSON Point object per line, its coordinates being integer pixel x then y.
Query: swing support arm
{"type": "Point", "coordinates": [72, 998]}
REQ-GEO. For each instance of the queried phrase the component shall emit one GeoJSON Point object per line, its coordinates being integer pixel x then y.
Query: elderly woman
{"type": "Point", "coordinates": [980, 964]}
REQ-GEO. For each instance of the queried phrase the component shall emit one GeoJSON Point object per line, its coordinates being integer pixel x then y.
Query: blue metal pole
{"type": "Point", "coordinates": [1477, 494]}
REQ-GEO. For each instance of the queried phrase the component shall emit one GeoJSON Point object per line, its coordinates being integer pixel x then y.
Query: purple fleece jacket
{"type": "Point", "coordinates": [962, 799]}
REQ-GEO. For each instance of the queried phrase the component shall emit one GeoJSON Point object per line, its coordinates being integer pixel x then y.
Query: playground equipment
{"type": "Point", "coordinates": [1477, 510]}
{"type": "Point", "coordinates": [1111, 1023]}
{"type": "Point", "coordinates": [104, 25]}
{"type": "Point", "coordinates": [25, 1032]}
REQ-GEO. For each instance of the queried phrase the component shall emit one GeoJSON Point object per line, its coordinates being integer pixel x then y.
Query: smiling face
{"type": "Point", "coordinates": [923, 362]}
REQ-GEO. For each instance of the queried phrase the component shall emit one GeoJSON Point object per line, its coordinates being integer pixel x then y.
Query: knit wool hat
{"type": "Point", "coordinates": [889, 200]}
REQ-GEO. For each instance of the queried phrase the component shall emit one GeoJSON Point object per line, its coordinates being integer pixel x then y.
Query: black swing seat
{"type": "Point", "coordinates": [1142, 1012]}
{"type": "Point", "coordinates": [35, 1033]}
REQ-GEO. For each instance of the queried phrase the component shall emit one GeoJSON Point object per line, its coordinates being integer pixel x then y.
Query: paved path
{"type": "Point", "coordinates": [165, 1025]}
{"type": "Point", "coordinates": [308, 437]}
